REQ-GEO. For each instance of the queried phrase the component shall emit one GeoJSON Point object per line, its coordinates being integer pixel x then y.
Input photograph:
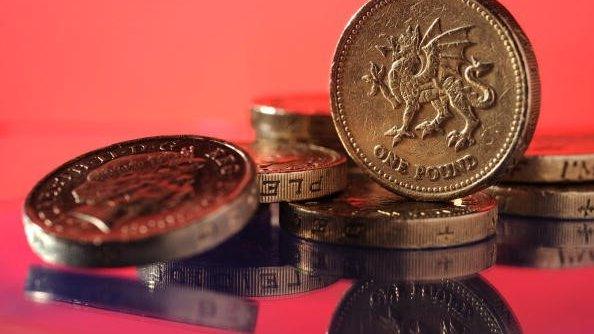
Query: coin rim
{"type": "Point", "coordinates": [160, 247]}
{"type": "Point", "coordinates": [526, 118]}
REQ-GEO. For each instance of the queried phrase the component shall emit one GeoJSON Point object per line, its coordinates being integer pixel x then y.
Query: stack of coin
{"type": "Point", "coordinates": [295, 118]}
{"type": "Point", "coordinates": [552, 189]}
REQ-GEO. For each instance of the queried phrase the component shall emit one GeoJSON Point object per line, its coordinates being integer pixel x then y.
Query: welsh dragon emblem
{"type": "Point", "coordinates": [432, 68]}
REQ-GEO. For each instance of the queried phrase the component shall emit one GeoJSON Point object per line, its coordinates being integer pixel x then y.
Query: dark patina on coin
{"type": "Point", "coordinates": [297, 171]}
{"type": "Point", "coordinates": [249, 264]}
{"type": "Point", "coordinates": [365, 214]}
{"type": "Point", "coordinates": [556, 159]}
{"type": "Point", "coordinates": [437, 99]}
{"type": "Point", "coordinates": [141, 201]}
{"type": "Point", "coordinates": [449, 306]}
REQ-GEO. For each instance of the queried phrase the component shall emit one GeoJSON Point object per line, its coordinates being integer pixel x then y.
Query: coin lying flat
{"type": "Point", "coordinates": [556, 159]}
{"type": "Point", "coordinates": [366, 214]}
{"type": "Point", "coordinates": [249, 264]}
{"type": "Point", "coordinates": [435, 100]}
{"type": "Point", "coordinates": [297, 171]}
{"type": "Point", "coordinates": [449, 306]}
{"type": "Point", "coordinates": [388, 264]}
{"type": "Point", "coordinates": [141, 201]}
{"type": "Point", "coordinates": [545, 232]}
{"type": "Point", "coordinates": [548, 201]}
{"type": "Point", "coordinates": [129, 296]}
{"type": "Point", "coordinates": [299, 117]}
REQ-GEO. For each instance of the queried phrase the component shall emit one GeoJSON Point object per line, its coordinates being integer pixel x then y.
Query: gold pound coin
{"type": "Point", "coordinates": [546, 201]}
{"type": "Point", "coordinates": [141, 201]}
{"type": "Point", "coordinates": [297, 171]}
{"type": "Point", "coordinates": [556, 159]}
{"type": "Point", "coordinates": [545, 257]}
{"type": "Point", "coordinates": [368, 215]}
{"type": "Point", "coordinates": [299, 117]}
{"type": "Point", "coordinates": [435, 100]}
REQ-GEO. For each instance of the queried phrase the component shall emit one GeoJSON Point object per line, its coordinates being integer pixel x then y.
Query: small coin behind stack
{"type": "Point", "coordinates": [435, 101]}
{"type": "Point", "coordinates": [449, 306]}
{"type": "Point", "coordinates": [556, 159]}
{"type": "Point", "coordinates": [296, 171]}
{"type": "Point", "coordinates": [299, 117]}
{"type": "Point", "coordinates": [141, 201]}
{"type": "Point", "coordinates": [366, 214]}
{"type": "Point", "coordinates": [542, 243]}
{"type": "Point", "coordinates": [388, 264]}
{"type": "Point", "coordinates": [249, 264]}
{"type": "Point", "coordinates": [572, 201]}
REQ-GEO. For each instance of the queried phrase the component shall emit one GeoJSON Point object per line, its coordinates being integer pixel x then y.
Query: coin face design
{"type": "Point", "coordinates": [296, 171]}
{"type": "Point", "coordinates": [556, 159]}
{"type": "Point", "coordinates": [133, 192]}
{"type": "Point", "coordinates": [448, 306]}
{"type": "Point", "coordinates": [434, 100]}
{"type": "Point", "coordinates": [365, 214]}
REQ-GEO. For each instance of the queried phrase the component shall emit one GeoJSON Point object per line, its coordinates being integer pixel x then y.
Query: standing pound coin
{"type": "Point", "coordinates": [436, 100]}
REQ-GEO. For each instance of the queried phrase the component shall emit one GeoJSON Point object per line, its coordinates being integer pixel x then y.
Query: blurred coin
{"type": "Point", "coordinates": [449, 306]}
{"type": "Point", "coordinates": [435, 101]}
{"type": "Point", "coordinates": [388, 264]}
{"type": "Point", "coordinates": [249, 264]}
{"type": "Point", "coordinates": [574, 201]}
{"type": "Point", "coordinates": [556, 159]}
{"type": "Point", "coordinates": [368, 215]}
{"type": "Point", "coordinates": [298, 117]}
{"type": "Point", "coordinates": [141, 201]}
{"type": "Point", "coordinates": [545, 257]}
{"type": "Point", "coordinates": [545, 232]}
{"type": "Point", "coordinates": [297, 171]}
{"type": "Point", "coordinates": [179, 304]}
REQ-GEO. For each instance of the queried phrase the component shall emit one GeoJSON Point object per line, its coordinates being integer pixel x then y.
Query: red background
{"type": "Point", "coordinates": [76, 75]}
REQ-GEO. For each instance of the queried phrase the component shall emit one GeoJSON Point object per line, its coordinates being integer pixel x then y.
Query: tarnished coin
{"type": "Point", "coordinates": [460, 306]}
{"type": "Point", "coordinates": [545, 257]}
{"type": "Point", "coordinates": [547, 201]}
{"type": "Point", "coordinates": [545, 232]}
{"type": "Point", "coordinates": [368, 215]}
{"type": "Point", "coordinates": [202, 308]}
{"type": "Point", "coordinates": [249, 264]}
{"type": "Point", "coordinates": [299, 117]}
{"type": "Point", "coordinates": [387, 264]}
{"type": "Point", "coordinates": [435, 100]}
{"type": "Point", "coordinates": [556, 159]}
{"type": "Point", "coordinates": [296, 171]}
{"type": "Point", "coordinates": [141, 201]}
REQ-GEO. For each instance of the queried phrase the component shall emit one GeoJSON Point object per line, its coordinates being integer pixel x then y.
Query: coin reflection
{"type": "Point", "coordinates": [249, 264]}
{"type": "Point", "coordinates": [175, 303]}
{"type": "Point", "coordinates": [545, 243]}
{"type": "Point", "coordinates": [388, 264]}
{"type": "Point", "coordinates": [459, 306]}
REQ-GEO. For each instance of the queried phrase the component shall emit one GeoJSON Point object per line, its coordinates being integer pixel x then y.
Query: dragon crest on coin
{"type": "Point", "coordinates": [432, 68]}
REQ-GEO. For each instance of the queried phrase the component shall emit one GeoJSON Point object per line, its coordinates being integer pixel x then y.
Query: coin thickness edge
{"type": "Point", "coordinates": [399, 103]}
{"type": "Point", "coordinates": [367, 215]}
{"type": "Point", "coordinates": [62, 214]}
{"type": "Point", "coordinates": [297, 171]}
{"type": "Point", "coordinates": [546, 201]}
